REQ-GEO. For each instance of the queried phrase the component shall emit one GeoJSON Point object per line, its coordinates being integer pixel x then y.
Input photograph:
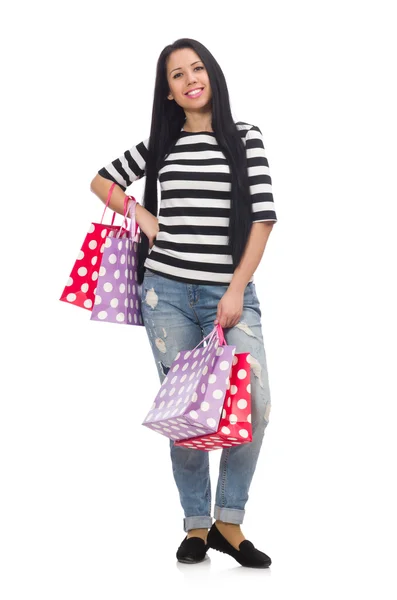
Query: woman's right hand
{"type": "Point", "coordinates": [147, 222]}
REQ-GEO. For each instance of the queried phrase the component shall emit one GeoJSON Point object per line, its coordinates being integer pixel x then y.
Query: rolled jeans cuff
{"type": "Point", "coordinates": [201, 522]}
{"type": "Point", "coordinates": [229, 515]}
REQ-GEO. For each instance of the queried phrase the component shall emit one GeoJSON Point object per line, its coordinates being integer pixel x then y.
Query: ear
{"type": "Point", "coordinates": [170, 96]}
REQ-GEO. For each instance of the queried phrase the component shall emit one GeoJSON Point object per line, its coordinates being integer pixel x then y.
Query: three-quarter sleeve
{"type": "Point", "coordinates": [260, 182]}
{"type": "Point", "coordinates": [128, 167]}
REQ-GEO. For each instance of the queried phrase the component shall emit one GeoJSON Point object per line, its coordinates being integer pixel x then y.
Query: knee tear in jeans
{"type": "Point", "coordinates": [160, 344]}
{"type": "Point", "coordinates": [151, 298]}
{"type": "Point", "coordinates": [256, 368]}
{"type": "Point", "coordinates": [164, 368]}
{"type": "Point", "coordinates": [244, 327]}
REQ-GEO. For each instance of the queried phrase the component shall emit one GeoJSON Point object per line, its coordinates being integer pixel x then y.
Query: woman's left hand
{"type": "Point", "coordinates": [230, 309]}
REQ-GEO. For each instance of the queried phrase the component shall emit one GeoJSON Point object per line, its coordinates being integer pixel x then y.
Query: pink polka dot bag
{"type": "Point", "coordinates": [81, 285]}
{"type": "Point", "coordinates": [117, 296]}
{"type": "Point", "coordinates": [191, 398]}
{"type": "Point", "coordinates": [235, 424]}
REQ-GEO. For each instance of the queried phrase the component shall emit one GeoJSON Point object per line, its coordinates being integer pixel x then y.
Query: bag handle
{"type": "Point", "coordinates": [221, 335]}
{"type": "Point", "coordinates": [133, 223]}
{"type": "Point", "coordinates": [129, 205]}
{"type": "Point", "coordinates": [127, 200]}
{"type": "Point", "coordinates": [130, 209]}
{"type": "Point", "coordinates": [218, 332]}
{"type": "Point", "coordinates": [107, 204]}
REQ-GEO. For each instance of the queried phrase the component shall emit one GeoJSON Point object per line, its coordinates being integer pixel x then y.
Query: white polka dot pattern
{"type": "Point", "coordinates": [234, 427]}
{"type": "Point", "coordinates": [80, 287]}
{"type": "Point", "coordinates": [199, 405]}
{"type": "Point", "coordinates": [117, 297]}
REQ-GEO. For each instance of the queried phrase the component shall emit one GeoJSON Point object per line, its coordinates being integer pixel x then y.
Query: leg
{"type": "Point", "coordinates": [237, 464]}
{"type": "Point", "coordinates": [172, 326]}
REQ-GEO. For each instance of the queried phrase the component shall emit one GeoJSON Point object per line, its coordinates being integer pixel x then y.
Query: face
{"type": "Point", "coordinates": [185, 73]}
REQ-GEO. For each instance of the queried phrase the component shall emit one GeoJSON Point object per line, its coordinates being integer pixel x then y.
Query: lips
{"type": "Point", "coordinates": [197, 90]}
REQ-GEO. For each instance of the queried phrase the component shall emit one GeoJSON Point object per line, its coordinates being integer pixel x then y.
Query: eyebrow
{"type": "Point", "coordinates": [181, 67]}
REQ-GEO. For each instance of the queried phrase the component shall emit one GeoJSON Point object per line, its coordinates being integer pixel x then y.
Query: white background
{"type": "Point", "coordinates": [88, 505]}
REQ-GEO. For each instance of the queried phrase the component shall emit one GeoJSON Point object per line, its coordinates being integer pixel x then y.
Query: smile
{"type": "Point", "coordinates": [194, 93]}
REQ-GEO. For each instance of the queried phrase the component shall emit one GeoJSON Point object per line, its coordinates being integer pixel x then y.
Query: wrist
{"type": "Point", "coordinates": [129, 203]}
{"type": "Point", "coordinates": [237, 287]}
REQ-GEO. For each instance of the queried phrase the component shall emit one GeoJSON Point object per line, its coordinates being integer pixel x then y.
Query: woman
{"type": "Point", "coordinates": [197, 256]}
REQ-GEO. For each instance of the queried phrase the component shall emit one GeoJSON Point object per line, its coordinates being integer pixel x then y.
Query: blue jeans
{"type": "Point", "coordinates": [177, 316]}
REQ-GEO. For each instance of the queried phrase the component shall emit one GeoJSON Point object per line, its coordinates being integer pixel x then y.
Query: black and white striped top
{"type": "Point", "coordinates": [192, 242]}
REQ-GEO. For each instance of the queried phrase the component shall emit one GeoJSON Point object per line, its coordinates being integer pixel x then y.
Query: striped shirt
{"type": "Point", "coordinates": [192, 244]}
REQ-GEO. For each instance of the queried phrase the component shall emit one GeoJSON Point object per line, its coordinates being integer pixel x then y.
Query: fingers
{"type": "Point", "coordinates": [226, 320]}
{"type": "Point", "coordinates": [227, 323]}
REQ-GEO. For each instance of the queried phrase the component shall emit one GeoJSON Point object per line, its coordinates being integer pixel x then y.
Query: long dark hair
{"type": "Point", "coordinates": [167, 121]}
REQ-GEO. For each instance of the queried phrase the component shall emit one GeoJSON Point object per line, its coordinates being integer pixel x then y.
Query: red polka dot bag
{"type": "Point", "coordinates": [81, 285]}
{"type": "Point", "coordinates": [235, 424]}
{"type": "Point", "coordinates": [117, 296]}
{"type": "Point", "coordinates": [191, 397]}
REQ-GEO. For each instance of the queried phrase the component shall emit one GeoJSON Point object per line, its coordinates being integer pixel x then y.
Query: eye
{"type": "Point", "coordinates": [176, 75]}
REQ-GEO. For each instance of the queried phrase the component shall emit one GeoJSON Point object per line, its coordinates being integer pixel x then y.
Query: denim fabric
{"type": "Point", "coordinates": [177, 316]}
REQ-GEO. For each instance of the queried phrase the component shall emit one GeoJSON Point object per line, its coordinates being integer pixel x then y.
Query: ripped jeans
{"type": "Point", "coordinates": [177, 316]}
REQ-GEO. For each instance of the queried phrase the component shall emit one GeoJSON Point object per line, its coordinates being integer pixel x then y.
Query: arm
{"type": "Point", "coordinates": [123, 171]}
{"type": "Point", "coordinates": [146, 221]}
{"type": "Point", "coordinates": [230, 306]}
{"type": "Point", "coordinates": [252, 256]}
{"type": "Point", "coordinates": [264, 216]}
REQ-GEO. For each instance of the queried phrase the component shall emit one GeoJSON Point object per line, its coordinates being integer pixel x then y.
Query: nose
{"type": "Point", "coordinates": [192, 78]}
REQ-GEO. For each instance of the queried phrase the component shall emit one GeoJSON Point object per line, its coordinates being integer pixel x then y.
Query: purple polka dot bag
{"type": "Point", "coordinates": [117, 295]}
{"type": "Point", "coordinates": [191, 397]}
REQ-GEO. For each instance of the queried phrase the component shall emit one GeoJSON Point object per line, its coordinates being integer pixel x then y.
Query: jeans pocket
{"type": "Point", "coordinates": [148, 277]}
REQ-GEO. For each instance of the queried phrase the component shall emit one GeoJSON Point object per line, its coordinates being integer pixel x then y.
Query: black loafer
{"type": "Point", "coordinates": [247, 555]}
{"type": "Point", "coordinates": [192, 550]}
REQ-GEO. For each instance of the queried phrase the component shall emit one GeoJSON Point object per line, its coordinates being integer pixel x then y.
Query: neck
{"type": "Point", "coordinates": [198, 122]}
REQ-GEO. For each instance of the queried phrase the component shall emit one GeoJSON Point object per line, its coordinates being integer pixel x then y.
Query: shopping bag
{"type": "Point", "coordinates": [117, 297]}
{"type": "Point", "coordinates": [80, 287]}
{"type": "Point", "coordinates": [191, 397]}
{"type": "Point", "coordinates": [235, 424]}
